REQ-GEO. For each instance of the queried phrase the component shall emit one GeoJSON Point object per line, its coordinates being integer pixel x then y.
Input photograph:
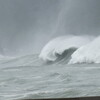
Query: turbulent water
{"type": "Point", "coordinates": [25, 78]}
{"type": "Point", "coordinates": [62, 44]}
{"type": "Point", "coordinates": [49, 48]}
{"type": "Point", "coordinates": [33, 77]}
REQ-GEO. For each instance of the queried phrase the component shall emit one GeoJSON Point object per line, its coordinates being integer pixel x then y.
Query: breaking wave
{"type": "Point", "coordinates": [62, 48]}
{"type": "Point", "coordinates": [89, 53]}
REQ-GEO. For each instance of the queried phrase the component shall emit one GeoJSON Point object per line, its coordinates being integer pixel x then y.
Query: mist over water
{"type": "Point", "coordinates": [27, 25]}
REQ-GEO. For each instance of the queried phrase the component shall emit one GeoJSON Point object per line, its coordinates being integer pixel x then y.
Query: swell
{"type": "Point", "coordinates": [22, 61]}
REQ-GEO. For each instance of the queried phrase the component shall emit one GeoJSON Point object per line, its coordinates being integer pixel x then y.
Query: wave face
{"type": "Point", "coordinates": [89, 53]}
{"type": "Point", "coordinates": [60, 47]}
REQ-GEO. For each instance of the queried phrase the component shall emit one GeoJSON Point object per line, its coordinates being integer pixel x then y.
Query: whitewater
{"type": "Point", "coordinates": [55, 72]}
{"type": "Point", "coordinates": [61, 44]}
{"type": "Point", "coordinates": [89, 53]}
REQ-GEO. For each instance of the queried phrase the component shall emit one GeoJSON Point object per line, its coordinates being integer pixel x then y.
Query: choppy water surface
{"type": "Point", "coordinates": [69, 33]}
{"type": "Point", "coordinates": [27, 77]}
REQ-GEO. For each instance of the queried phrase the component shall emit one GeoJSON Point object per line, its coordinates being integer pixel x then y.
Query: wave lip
{"type": "Point", "coordinates": [59, 45]}
{"type": "Point", "coordinates": [89, 53]}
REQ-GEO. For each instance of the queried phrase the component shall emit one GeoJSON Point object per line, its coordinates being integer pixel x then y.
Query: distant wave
{"type": "Point", "coordinates": [89, 53]}
{"type": "Point", "coordinates": [62, 47]}
{"type": "Point", "coordinates": [5, 57]}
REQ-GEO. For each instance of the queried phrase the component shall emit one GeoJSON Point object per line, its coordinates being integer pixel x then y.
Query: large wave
{"type": "Point", "coordinates": [62, 47]}
{"type": "Point", "coordinates": [89, 53]}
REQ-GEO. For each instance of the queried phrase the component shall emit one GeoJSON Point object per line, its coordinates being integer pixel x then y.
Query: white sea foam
{"type": "Point", "coordinates": [61, 44]}
{"type": "Point", "coordinates": [89, 53]}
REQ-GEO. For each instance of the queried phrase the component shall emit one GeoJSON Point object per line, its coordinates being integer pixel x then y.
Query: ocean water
{"type": "Point", "coordinates": [67, 66]}
{"type": "Point", "coordinates": [28, 77]}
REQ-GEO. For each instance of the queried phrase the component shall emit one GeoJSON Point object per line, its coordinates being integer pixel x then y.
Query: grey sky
{"type": "Point", "coordinates": [26, 25]}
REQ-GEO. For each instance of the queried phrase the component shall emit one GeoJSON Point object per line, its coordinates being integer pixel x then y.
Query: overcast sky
{"type": "Point", "coordinates": [27, 25]}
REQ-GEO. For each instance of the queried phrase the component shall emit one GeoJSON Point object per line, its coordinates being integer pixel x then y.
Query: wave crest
{"type": "Point", "coordinates": [89, 53]}
{"type": "Point", "coordinates": [61, 47]}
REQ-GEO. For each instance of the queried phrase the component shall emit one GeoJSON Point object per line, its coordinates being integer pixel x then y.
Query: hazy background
{"type": "Point", "coordinates": [27, 25]}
